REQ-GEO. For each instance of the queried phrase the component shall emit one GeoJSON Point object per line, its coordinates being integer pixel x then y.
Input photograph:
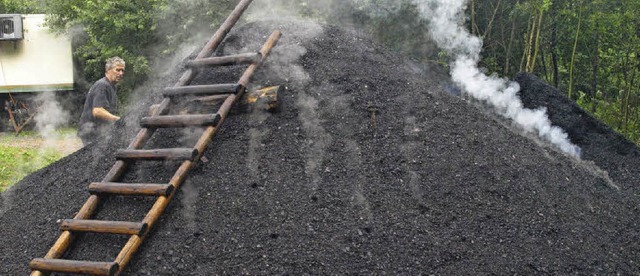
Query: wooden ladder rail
{"type": "Point", "coordinates": [89, 208]}
{"type": "Point", "coordinates": [161, 203]}
{"type": "Point", "coordinates": [139, 230]}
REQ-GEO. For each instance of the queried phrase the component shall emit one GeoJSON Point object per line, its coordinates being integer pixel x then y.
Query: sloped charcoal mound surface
{"type": "Point", "coordinates": [606, 148]}
{"type": "Point", "coordinates": [371, 166]}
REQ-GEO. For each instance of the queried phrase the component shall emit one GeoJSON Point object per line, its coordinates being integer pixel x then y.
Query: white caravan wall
{"type": "Point", "coordinates": [41, 61]}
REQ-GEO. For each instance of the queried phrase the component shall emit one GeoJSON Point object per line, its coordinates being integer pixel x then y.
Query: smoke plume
{"type": "Point", "coordinates": [50, 116]}
{"type": "Point", "coordinates": [446, 18]}
{"type": "Point", "coordinates": [189, 200]}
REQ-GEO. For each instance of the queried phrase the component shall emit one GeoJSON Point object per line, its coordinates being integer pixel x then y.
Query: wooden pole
{"type": "Point", "coordinates": [103, 226]}
{"type": "Point", "coordinates": [226, 60]}
{"type": "Point", "coordinates": [70, 266]}
{"type": "Point", "coordinates": [158, 154]}
{"type": "Point", "coordinates": [201, 90]}
{"type": "Point", "coordinates": [142, 189]}
{"type": "Point", "coordinates": [199, 120]}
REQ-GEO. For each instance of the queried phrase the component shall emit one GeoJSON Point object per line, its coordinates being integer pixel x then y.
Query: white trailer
{"type": "Point", "coordinates": [32, 60]}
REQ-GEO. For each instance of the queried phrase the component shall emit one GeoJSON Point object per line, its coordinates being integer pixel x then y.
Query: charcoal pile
{"type": "Point", "coordinates": [371, 166]}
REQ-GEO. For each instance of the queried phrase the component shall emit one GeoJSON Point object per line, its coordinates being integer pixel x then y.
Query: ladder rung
{"type": "Point", "coordinates": [202, 90]}
{"type": "Point", "coordinates": [103, 226]}
{"type": "Point", "coordinates": [72, 266]}
{"type": "Point", "coordinates": [247, 58]}
{"type": "Point", "coordinates": [145, 189]}
{"type": "Point", "coordinates": [158, 154]}
{"type": "Point", "coordinates": [180, 120]}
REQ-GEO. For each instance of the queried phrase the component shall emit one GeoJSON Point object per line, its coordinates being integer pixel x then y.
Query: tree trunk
{"type": "Point", "coordinates": [474, 28]}
{"type": "Point", "coordinates": [487, 31]}
{"type": "Point", "coordinates": [554, 57]}
{"type": "Point", "coordinates": [628, 102]}
{"type": "Point", "coordinates": [536, 43]}
{"type": "Point", "coordinates": [526, 54]}
{"type": "Point", "coordinates": [545, 69]}
{"type": "Point", "coordinates": [553, 48]}
{"type": "Point", "coordinates": [622, 96]}
{"type": "Point", "coordinates": [594, 68]}
{"type": "Point", "coordinates": [573, 54]}
{"type": "Point", "coordinates": [507, 58]}
{"type": "Point", "coordinates": [509, 46]}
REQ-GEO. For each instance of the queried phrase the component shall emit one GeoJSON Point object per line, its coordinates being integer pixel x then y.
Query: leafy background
{"type": "Point", "coordinates": [587, 49]}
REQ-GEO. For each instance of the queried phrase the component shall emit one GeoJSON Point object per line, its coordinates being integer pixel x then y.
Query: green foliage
{"type": "Point", "coordinates": [606, 69]}
{"type": "Point", "coordinates": [141, 32]}
{"type": "Point", "coordinates": [28, 152]}
{"type": "Point", "coordinates": [21, 6]}
{"type": "Point", "coordinates": [17, 162]}
{"type": "Point", "coordinates": [180, 22]}
{"type": "Point", "coordinates": [108, 28]}
{"type": "Point", "coordinates": [604, 72]}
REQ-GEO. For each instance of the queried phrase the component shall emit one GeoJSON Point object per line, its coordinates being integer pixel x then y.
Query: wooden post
{"type": "Point", "coordinates": [201, 90]}
{"type": "Point", "coordinates": [158, 154]}
{"type": "Point", "coordinates": [103, 226]}
{"type": "Point", "coordinates": [70, 266]}
{"type": "Point", "coordinates": [226, 60]}
{"type": "Point", "coordinates": [141, 189]}
{"type": "Point", "coordinates": [167, 121]}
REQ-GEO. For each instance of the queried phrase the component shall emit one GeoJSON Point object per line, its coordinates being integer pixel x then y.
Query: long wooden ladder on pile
{"type": "Point", "coordinates": [82, 222]}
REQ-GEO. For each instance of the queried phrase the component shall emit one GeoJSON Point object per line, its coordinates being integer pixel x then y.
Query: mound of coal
{"type": "Point", "coordinates": [606, 148]}
{"type": "Point", "coordinates": [370, 167]}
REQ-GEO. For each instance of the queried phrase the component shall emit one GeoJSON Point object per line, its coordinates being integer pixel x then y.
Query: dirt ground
{"type": "Point", "coordinates": [67, 143]}
{"type": "Point", "coordinates": [371, 166]}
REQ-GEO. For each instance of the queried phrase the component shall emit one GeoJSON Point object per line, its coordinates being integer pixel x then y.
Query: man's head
{"type": "Point", "coordinates": [114, 69]}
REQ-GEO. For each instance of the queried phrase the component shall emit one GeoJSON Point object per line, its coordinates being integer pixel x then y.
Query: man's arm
{"type": "Point", "coordinates": [100, 112]}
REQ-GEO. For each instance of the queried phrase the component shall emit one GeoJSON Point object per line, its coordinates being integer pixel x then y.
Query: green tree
{"type": "Point", "coordinates": [21, 6]}
{"type": "Point", "coordinates": [141, 32]}
{"type": "Point", "coordinates": [588, 49]}
{"type": "Point", "coordinates": [108, 28]}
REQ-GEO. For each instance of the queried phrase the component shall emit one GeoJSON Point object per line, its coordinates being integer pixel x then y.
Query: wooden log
{"type": "Point", "coordinates": [210, 99]}
{"type": "Point", "coordinates": [153, 108]}
{"type": "Point", "coordinates": [238, 59]}
{"type": "Point", "coordinates": [141, 189]}
{"type": "Point", "coordinates": [103, 226]}
{"type": "Point", "coordinates": [265, 98]}
{"type": "Point", "coordinates": [201, 90]}
{"type": "Point", "coordinates": [72, 266]}
{"type": "Point", "coordinates": [265, 50]}
{"type": "Point", "coordinates": [158, 154]}
{"type": "Point", "coordinates": [198, 120]}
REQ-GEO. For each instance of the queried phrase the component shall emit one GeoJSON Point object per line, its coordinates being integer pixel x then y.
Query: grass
{"type": "Point", "coordinates": [26, 153]}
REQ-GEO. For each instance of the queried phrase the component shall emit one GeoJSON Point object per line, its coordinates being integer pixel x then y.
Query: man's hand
{"type": "Point", "coordinates": [100, 112]}
{"type": "Point", "coordinates": [120, 123]}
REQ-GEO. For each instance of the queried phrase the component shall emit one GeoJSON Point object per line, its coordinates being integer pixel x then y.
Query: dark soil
{"type": "Point", "coordinates": [370, 167]}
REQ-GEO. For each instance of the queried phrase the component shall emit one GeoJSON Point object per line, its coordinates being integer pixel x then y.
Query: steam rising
{"type": "Point", "coordinates": [50, 116]}
{"type": "Point", "coordinates": [446, 25]}
{"type": "Point", "coordinates": [189, 200]}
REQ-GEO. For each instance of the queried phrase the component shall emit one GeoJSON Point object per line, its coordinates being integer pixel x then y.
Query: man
{"type": "Point", "coordinates": [101, 103]}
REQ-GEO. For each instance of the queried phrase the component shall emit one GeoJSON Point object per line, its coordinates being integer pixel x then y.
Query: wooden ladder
{"type": "Point", "coordinates": [158, 118]}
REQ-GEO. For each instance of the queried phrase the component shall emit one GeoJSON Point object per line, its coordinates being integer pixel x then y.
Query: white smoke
{"type": "Point", "coordinates": [190, 194]}
{"type": "Point", "coordinates": [49, 118]}
{"type": "Point", "coordinates": [446, 19]}
{"type": "Point", "coordinates": [50, 115]}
